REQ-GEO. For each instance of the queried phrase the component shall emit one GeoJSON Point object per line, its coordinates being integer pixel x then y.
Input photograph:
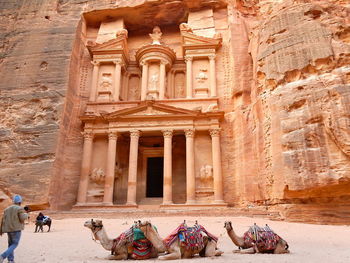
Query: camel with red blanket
{"type": "Point", "coordinates": [183, 242]}
{"type": "Point", "coordinates": [125, 246]}
{"type": "Point", "coordinates": [257, 240]}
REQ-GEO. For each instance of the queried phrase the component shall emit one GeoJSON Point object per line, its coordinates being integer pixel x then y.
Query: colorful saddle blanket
{"type": "Point", "coordinates": [190, 237]}
{"type": "Point", "coordinates": [142, 249]}
{"type": "Point", "coordinates": [262, 237]}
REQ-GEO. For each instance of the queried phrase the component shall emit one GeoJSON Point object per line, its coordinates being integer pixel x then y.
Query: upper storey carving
{"type": "Point", "coordinates": [191, 41]}
{"type": "Point", "coordinates": [111, 49]}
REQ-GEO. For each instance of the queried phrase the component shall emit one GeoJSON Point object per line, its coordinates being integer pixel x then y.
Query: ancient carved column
{"type": "Point", "coordinates": [117, 79]}
{"type": "Point", "coordinates": [212, 75]}
{"type": "Point", "coordinates": [85, 167]}
{"type": "Point", "coordinates": [162, 80]}
{"type": "Point", "coordinates": [109, 179]}
{"type": "Point", "coordinates": [168, 180]}
{"type": "Point", "coordinates": [144, 80]}
{"type": "Point", "coordinates": [190, 174]}
{"type": "Point", "coordinates": [188, 76]}
{"type": "Point", "coordinates": [93, 88]}
{"type": "Point", "coordinates": [132, 179]}
{"type": "Point", "coordinates": [217, 173]}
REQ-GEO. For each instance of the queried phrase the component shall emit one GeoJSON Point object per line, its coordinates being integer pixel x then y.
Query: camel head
{"type": "Point", "coordinates": [228, 225]}
{"type": "Point", "coordinates": [143, 225]}
{"type": "Point", "coordinates": [93, 224]}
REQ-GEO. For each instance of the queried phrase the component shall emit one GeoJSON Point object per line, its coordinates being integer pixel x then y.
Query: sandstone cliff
{"type": "Point", "coordinates": [286, 98]}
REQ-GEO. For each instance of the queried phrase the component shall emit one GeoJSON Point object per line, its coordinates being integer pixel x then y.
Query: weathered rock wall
{"type": "Point", "coordinates": [287, 130]}
{"type": "Point", "coordinates": [36, 45]}
{"type": "Point", "coordinates": [296, 130]}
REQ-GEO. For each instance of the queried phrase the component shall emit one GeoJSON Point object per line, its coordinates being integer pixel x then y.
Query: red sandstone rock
{"type": "Point", "coordinates": [282, 81]}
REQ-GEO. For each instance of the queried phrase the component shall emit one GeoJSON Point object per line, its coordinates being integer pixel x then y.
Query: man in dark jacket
{"type": "Point", "coordinates": [12, 223]}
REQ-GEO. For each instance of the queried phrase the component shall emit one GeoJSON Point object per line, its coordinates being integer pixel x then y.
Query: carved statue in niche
{"type": "Point", "coordinates": [205, 180]}
{"type": "Point", "coordinates": [153, 82]}
{"type": "Point", "coordinates": [202, 76]}
{"type": "Point", "coordinates": [97, 175]}
{"type": "Point", "coordinates": [134, 88]}
{"type": "Point", "coordinates": [180, 86]}
{"type": "Point", "coordinates": [156, 35]}
{"type": "Point", "coordinates": [106, 81]}
{"type": "Point", "coordinates": [201, 89]}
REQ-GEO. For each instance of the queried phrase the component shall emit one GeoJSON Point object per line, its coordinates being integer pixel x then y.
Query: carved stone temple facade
{"type": "Point", "coordinates": [177, 104]}
{"type": "Point", "coordinates": [152, 123]}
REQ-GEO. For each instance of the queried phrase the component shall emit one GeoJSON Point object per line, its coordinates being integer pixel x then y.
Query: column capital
{"type": "Point", "coordinates": [95, 63]}
{"type": "Point", "coordinates": [163, 62]}
{"type": "Point", "coordinates": [215, 132]}
{"type": "Point", "coordinates": [212, 57]}
{"type": "Point", "coordinates": [144, 63]}
{"type": "Point", "coordinates": [135, 133]}
{"type": "Point", "coordinates": [118, 62]}
{"type": "Point", "coordinates": [168, 133]}
{"type": "Point", "coordinates": [88, 135]}
{"type": "Point", "coordinates": [112, 135]}
{"type": "Point", "coordinates": [188, 58]}
{"type": "Point", "coordinates": [189, 133]}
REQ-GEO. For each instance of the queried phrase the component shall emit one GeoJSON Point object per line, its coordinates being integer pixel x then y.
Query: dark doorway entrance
{"type": "Point", "coordinates": [154, 186]}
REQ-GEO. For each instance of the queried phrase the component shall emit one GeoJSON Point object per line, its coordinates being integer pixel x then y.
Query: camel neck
{"type": "Point", "coordinates": [106, 242]}
{"type": "Point", "coordinates": [238, 241]}
{"type": "Point", "coordinates": [155, 239]}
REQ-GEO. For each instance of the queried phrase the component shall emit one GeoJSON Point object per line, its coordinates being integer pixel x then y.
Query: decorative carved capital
{"type": "Point", "coordinates": [95, 63]}
{"type": "Point", "coordinates": [135, 133]}
{"type": "Point", "coordinates": [185, 28]}
{"type": "Point", "coordinates": [112, 135]}
{"type": "Point", "coordinates": [215, 132]}
{"type": "Point", "coordinates": [122, 33]}
{"type": "Point", "coordinates": [212, 57]}
{"type": "Point", "coordinates": [143, 63]}
{"type": "Point", "coordinates": [167, 133]}
{"type": "Point", "coordinates": [188, 58]}
{"type": "Point", "coordinates": [163, 62]}
{"type": "Point", "coordinates": [118, 62]}
{"type": "Point", "coordinates": [88, 135]}
{"type": "Point", "coordinates": [189, 133]}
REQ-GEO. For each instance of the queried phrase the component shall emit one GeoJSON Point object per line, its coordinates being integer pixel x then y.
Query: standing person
{"type": "Point", "coordinates": [12, 223]}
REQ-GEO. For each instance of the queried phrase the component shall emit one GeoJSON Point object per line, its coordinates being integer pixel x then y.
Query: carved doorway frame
{"type": "Point", "coordinates": [147, 152]}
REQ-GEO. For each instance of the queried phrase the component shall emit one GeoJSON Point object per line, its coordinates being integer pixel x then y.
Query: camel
{"type": "Point", "coordinates": [248, 247]}
{"type": "Point", "coordinates": [39, 225]}
{"type": "Point", "coordinates": [175, 250]}
{"type": "Point", "coordinates": [120, 249]}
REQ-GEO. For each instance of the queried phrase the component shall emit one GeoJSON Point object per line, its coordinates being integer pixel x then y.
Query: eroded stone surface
{"type": "Point", "coordinates": [283, 83]}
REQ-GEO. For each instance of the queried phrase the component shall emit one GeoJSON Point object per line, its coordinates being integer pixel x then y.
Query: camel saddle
{"type": "Point", "coordinates": [262, 237]}
{"type": "Point", "coordinates": [190, 237]}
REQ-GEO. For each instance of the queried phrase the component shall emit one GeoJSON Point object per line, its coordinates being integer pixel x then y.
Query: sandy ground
{"type": "Point", "coordinates": [70, 241]}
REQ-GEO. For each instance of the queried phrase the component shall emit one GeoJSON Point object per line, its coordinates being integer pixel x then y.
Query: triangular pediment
{"type": "Point", "coordinates": [192, 40]}
{"type": "Point", "coordinates": [113, 46]}
{"type": "Point", "coordinates": [150, 109]}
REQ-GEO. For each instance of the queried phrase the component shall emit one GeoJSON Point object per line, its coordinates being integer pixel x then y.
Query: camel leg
{"type": "Point", "coordinates": [281, 248]}
{"type": "Point", "coordinates": [245, 251]}
{"type": "Point", "coordinates": [122, 256]}
{"type": "Point", "coordinates": [174, 253]}
{"type": "Point", "coordinates": [49, 225]}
